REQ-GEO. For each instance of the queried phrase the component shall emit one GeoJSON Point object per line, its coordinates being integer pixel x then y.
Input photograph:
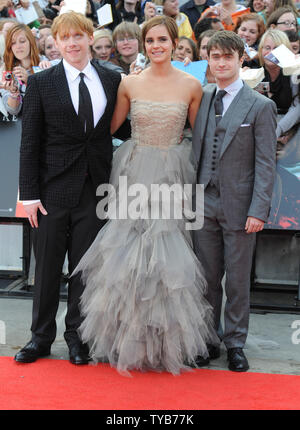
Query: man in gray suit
{"type": "Point", "coordinates": [235, 142]}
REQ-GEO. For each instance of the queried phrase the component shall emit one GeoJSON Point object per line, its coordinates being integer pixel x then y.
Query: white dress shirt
{"type": "Point", "coordinates": [96, 91]}
{"type": "Point", "coordinates": [232, 91]}
{"type": "Point", "coordinates": [92, 81]}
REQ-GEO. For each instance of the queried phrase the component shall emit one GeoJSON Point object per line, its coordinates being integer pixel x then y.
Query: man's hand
{"type": "Point", "coordinates": [31, 211]}
{"type": "Point", "coordinates": [253, 225]}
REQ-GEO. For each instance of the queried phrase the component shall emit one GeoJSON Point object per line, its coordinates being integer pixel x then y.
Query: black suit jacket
{"type": "Point", "coordinates": [55, 153]}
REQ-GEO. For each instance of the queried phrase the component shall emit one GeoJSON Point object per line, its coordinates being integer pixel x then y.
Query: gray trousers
{"type": "Point", "coordinates": [223, 250]}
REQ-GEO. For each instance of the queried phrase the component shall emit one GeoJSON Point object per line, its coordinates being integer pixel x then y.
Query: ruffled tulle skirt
{"type": "Point", "coordinates": [143, 303]}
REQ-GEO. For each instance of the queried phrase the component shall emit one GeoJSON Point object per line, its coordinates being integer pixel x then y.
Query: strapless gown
{"type": "Point", "coordinates": [143, 304]}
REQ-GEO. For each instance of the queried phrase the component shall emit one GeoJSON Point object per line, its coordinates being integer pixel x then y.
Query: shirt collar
{"type": "Point", "coordinates": [234, 87]}
{"type": "Point", "coordinates": [73, 73]}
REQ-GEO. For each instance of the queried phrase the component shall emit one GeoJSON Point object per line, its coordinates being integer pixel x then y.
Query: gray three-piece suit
{"type": "Point", "coordinates": [236, 164]}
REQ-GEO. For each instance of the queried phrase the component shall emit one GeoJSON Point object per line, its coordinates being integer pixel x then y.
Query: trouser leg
{"type": "Point", "coordinates": [49, 244]}
{"type": "Point", "coordinates": [238, 251]}
{"type": "Point", "coordinates": [208, 246]}
{"type": "Point", "coordinates": [84, 226]}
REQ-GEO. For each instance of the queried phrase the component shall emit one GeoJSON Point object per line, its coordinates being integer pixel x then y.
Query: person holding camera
{"type": "Point", "coordinates": [170, 8]}
{"type": "Point", "coordinates": [20, 55]}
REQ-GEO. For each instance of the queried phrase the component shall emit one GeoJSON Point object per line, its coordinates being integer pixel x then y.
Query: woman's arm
{"type": "Point", "coordinates": [121, 108]}
{"type": "Point", "coordinates": [196, 92]}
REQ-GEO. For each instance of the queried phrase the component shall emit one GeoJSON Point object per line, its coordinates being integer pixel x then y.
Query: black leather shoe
{"type": "Point", "coordinates": [31, 352]}
{"type": "Point", "coordinates": [199, 362]}
{"type": "Point", "coordinates": [213, 351]}
{"type": "Point", "coordinates": [78, 354]}
{"type": "Point", "coordinates": [237, 360]}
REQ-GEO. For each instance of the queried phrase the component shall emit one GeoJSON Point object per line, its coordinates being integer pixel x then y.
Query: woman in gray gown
{"type": "Point", "coordinates": [143, 304]}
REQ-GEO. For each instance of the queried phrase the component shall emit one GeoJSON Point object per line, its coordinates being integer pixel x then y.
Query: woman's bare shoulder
{"type": "Point", "coordinates": [189, 80]}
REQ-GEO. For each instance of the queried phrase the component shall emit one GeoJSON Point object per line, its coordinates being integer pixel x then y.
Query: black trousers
{"type": "Point", "coordinates": [62, 231]}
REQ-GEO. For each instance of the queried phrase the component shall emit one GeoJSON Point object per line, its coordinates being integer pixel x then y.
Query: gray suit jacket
{"type": "Point", "coordinates": [248, 154]}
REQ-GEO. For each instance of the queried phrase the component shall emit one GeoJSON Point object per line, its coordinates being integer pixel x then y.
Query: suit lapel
{"type": "Point", "coordinates": [205, 107]}
{"type": "Point", "coordinates": [64, 96]}
{"type": "Point", "coordinates": [236, 114]}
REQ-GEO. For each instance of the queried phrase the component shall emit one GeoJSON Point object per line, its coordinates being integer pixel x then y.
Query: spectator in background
{"type": "Point", "coordinates": [207, 24]}
{"type": "Point", "coordinates": [52, 9]}
{"type": "Point", "coordinates": [128, 43]}
{"type": "Point", "coordinates": [6, 24]}
{"type": "Point", "coordinates": [102, 47]}
{"type": "Point", "coordinates": [294, 39]}
{"type": "Point", "coordinates": [250, 27]}
{"type": "Point", "coordinates": [186, 48]}
{"type": "Point", "coordinates": [171, 9]}
{"type": "Point", "coordinates": [20, 55]}
{"type": "Point", "coordinates": [130, 10]}
{"type": "Point", "coordinates": [51, 51]}
{"type": "Point", "coordinates": [272, 5]}
{"type": "Point", "coordinates": [4, 8]}
{"type": "Point", "coordinates": [282, 90]}
{"type": "Point", "coordinates": [256, 5]}
{"type": "Point", "coordinates": [283, 18]}
{"type": "Point", "coordinates": [44, 31]}
{"type": "Point", "coordinates": [203, 55]}
{"type": "Point", "coordinates": [227, 11]}
{"type": "Point", "coordinates": [194, 8]}
{"type": "Point", "coordinates": [123, 10]}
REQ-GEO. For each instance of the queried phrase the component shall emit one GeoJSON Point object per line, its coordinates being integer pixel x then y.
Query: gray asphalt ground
{"type": "Point", "coordinates": [273, 344]}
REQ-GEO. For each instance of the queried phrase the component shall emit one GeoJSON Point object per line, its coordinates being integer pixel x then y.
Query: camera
{"type": "Point", "coordinates": [7, 76]}
{"type": "Point", "coordinates": [159, 10]}
{"type": "Point", "coordinates": [140, 61]}
{"type": "Point", "coordinates": [263, 87]}
{"type": "Point", "coordinates": [16, 2]}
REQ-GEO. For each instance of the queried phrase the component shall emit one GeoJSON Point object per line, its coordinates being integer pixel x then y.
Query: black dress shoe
{"type": "Point", "coordinates": [213, 351]}
{"type": "Point", "coordinates": [31, 352]}
{"type": "Point", "coordinates": [78, 354]}
{"type": "Point", "coordinates": [199, 362]}
{"type": "Point", "coordinates": [237, 360]}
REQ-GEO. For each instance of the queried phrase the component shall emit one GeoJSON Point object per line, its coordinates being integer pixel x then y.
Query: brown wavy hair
{"type": "Point", "coordinates": [251, 17]}
{"type": "Point", "coordinates": [10, 60]}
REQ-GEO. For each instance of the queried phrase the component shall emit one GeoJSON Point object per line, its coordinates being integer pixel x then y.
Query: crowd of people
{"type": "Point", "coordinates": [263, 26]}
{"type": "Point", "coordinates": [153, 311]}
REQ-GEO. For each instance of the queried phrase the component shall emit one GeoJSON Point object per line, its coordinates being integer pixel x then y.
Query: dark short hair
{"type": "Point", "coordinates": [227, 41]}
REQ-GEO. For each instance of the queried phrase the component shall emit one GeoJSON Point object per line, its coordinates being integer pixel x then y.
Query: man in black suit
{"type": "Point", "coordinates": [66, 153]}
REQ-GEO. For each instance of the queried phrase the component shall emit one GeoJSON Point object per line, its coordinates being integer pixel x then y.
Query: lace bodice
{"type": "Point", "coordinates": [157, 123]}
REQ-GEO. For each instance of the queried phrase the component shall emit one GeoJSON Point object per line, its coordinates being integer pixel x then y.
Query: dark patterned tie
{"type": "Point", "coordinates": [219, 105]}
{"type": "Point", "coordinates": [85, 109]}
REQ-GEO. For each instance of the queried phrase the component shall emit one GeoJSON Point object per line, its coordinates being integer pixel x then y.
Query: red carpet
{"type": "Point", "coordinates": [59, 385]}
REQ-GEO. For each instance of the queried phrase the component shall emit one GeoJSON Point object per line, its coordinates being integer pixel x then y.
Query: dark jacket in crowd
{"type": "Point", "coordinates": [192, 11]}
